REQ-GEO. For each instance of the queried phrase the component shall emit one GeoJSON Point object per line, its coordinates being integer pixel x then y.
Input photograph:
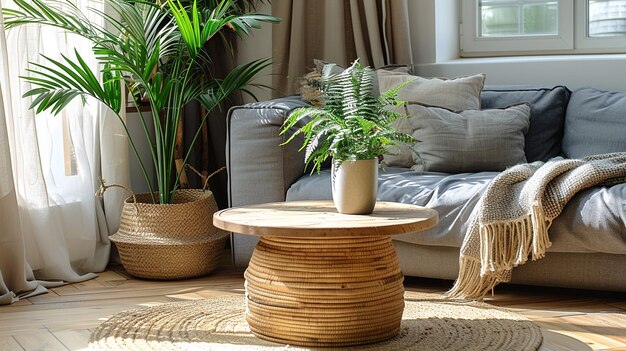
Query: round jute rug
{"type": "Point", "coordinates": [219, 324]}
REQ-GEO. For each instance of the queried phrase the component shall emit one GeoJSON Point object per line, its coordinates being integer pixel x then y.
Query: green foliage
{"type": "Point", "coordinates": [352, 124]}
{"type": "Point", "coordinates": [158, 52]}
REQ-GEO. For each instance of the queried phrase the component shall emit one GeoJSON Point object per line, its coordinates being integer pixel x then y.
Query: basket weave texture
{"type": "Point", "coordinates": [324, 292]}
{"type": "Point", "coordinates": [170, 241]}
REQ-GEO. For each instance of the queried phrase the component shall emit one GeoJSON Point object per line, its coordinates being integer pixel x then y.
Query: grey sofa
{"type": "Point", "coordinates": [589, 238]}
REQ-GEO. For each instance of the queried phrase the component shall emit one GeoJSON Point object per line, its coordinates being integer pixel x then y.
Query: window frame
{"type": "Point", "coordinates": [572, 37]}
{"type": "Point", "coordinates": [586, 44]}
{"type": "Point", "coordinates": [473, 45]}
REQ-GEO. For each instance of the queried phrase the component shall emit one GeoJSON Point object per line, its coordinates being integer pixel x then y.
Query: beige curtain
{"type": "Point", "coordinates": [53, 230]}
{"type": "Point", "coordinates": [338, 31]}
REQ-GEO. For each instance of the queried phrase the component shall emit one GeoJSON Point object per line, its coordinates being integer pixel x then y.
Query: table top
{"type": "Point", "coordinates": [321, 219]}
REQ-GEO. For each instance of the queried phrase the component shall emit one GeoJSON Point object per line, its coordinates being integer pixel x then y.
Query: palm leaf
{"type": "Point", "coordinates": [59, 82]}
{"type": "Point", "coordinates": [242, 24]}
{"type": "Point", "coordinates": [189, 34]}
{"type": "Point", "coordinates": [238, 78]}
{"type": "Point", "coordinates": [61, 14]}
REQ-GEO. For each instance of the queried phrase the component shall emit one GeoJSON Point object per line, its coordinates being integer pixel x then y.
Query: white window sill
{"type": "Point", "coordinates": [601, 71]}
{"type": "Point", "coordinates": [537, 58]}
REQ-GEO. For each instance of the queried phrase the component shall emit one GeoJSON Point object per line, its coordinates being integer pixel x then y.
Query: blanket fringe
{"type": "Point", "coordinates": [470, 285]}
{"type": "Point", "coordinates": [541, 240]}
{"type": "Point", "coordinates": [504, 245]}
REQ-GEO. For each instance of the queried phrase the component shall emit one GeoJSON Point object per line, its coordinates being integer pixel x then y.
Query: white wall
{"type": "Point", "coordinates": [437, 55]}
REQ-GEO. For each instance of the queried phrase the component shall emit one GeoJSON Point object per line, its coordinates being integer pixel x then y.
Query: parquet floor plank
{"type": "Point", "coordinates": [596, 337]}
{"type": "Point", "coordinates": [80, 304]}
{"type": "Point", "coordinates": [41, 340]}
{"type": "Point", "coordinates": [87, 313]}
{"type": "Point", "coordinates": [131, 292]}
{"type": "Point", "coordinates": [21, 328]}
{"type": "Point", "coordinates": [108, 276]}
{"type": "Point", "coordinates": [22, 302]}
{"type": "Point", "coordinates": [65, 289]}
{"type": "Point", "coordinates": [8, 343]}
{"type": "Point", "coordinates": [553, 341]}
{"type": "Point", "coordinates": [73, 339]}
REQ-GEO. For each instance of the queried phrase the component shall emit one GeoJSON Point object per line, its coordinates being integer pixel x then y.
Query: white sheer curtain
{"type": "Point", "coordinates": [52, 228]}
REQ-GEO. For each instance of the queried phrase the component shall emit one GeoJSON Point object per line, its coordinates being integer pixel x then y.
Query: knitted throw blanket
{"type": "Point", "coordinates": [511, 220]}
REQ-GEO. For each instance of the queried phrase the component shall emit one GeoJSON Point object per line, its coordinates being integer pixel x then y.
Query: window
{"type": "Point", "coordinates": [518, 18]}
{"type": "Point", "coordinates": [606, 18]}
{"type": "Point", "coordinates": [603, 26]}
{"type": "Point", "coordinates": [510, 27]}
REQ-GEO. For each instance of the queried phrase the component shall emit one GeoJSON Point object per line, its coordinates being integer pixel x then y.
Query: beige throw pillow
{"type": "Point", "coordinates": [457, 94]}
{"type": "Point", "coordinates": [469, 141]}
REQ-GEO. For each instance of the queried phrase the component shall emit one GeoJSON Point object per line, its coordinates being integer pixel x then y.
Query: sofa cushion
{"type": "Point", "coordinates": [547, 116]}
{"type": "Point", "coordinates": [469, 141]}
{"type": "Point", "coordinates": [593, 221]}
{"type": "Point", "coordinates": [595, 123]}
{"type": "Point", "coordinates": [462, 93]}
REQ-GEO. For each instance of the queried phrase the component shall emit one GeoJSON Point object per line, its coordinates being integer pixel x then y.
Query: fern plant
{"type": "Point", "coordinates": [157, 50]}
{"type": "Point", "coordinates": [352, 124]}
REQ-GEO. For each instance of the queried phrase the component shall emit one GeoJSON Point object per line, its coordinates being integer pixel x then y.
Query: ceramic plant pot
{"type": "Point", "coordinates": [354, 185]}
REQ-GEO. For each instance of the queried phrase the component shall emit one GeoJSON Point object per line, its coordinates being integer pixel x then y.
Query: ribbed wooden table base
{"type": "Point", "coordinates": [324, 291]}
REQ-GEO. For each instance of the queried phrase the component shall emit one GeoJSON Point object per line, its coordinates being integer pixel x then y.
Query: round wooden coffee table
{"type": "Point", "coordinates": [320, 278]}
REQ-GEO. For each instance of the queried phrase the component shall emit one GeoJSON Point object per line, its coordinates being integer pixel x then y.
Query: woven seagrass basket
{"type": "Point", "coordinates": [170, 241]}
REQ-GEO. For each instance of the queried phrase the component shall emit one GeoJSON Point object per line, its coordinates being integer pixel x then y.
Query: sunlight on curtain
{"type": "Point", "coordinates": [54, 164]}
{"type": "Point", "coordinates": [375, 31]}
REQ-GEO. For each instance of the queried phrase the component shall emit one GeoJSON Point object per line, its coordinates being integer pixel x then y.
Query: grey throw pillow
{"type": "Point", "coordinates": [547, 116]}
{"type": "Point", "coordinates": [471, 140]}
{"type": "Point", "coordinates": [457, 94]}
{"type": "Point", "coordinates": [595, 123]}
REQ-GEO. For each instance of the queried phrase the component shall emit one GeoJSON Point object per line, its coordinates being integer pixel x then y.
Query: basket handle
{"type": "Point", "coordinates": [104, 187]}
{"type": "Point", "coordinates": [206, 181]}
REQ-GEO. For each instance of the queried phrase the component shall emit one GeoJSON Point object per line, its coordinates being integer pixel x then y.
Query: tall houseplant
{"type": "Point", "coordinates": [353, 127]}
{"type": "Point", "coordinates": [158, 51]}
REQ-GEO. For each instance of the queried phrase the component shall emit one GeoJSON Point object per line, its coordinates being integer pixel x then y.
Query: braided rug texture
{"type": "Point", "coordinates": [429, 323]}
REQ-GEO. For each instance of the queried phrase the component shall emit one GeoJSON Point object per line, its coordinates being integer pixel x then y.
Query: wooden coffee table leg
{"type": "Point", "coordinates": [324, 291]}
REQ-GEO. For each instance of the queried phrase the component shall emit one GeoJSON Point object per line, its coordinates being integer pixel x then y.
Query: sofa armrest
{"type": "Point", "coordinates": [259, 169]}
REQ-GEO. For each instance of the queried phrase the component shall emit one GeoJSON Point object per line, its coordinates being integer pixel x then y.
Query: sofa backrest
{"type": "Point", "coordinates": [547, 116]}
{"type": "Point", "coordinates": [595, 123]}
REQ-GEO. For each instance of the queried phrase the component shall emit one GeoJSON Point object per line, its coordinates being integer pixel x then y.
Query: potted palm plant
{"type": "Point", "coordinates": [158, 51]}
{"type": "Point", "coordinates": [353, 127]}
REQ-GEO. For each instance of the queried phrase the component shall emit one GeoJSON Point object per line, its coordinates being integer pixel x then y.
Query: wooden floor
{"type": "Point", "coordinates": [63, 318]}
